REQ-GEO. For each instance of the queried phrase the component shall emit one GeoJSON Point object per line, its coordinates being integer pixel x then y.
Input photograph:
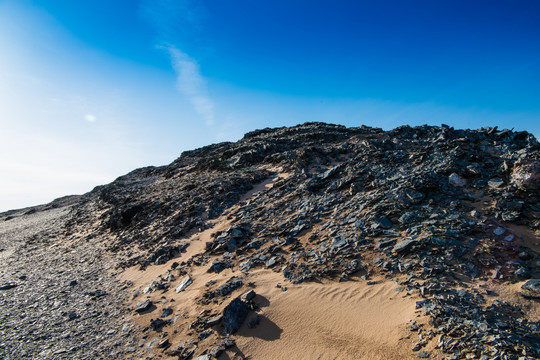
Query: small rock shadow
{"type": "Point", "coordinates": [149, 310]}
{"type": "Point", "coordinates": [265, 330]}
{"type": "Point", "coordinates": [261, 301]}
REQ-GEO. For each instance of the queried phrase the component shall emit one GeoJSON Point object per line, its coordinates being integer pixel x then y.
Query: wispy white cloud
{"type": "Point", "coordinates": [172, 20]}
{"type": "Point", "coordinates": [191, 83]}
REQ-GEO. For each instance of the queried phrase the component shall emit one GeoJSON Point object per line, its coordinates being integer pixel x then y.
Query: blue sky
{"type": "Point", "coordinates": [90, 90]}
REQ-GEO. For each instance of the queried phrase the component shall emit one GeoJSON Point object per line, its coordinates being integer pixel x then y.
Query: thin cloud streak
{"type": "Point", "coordinates": [173, 20]}
{"type": "Point", "coordinates": [192, 84]}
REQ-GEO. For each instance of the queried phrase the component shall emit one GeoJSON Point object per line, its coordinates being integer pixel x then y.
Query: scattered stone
{"type": "Point", "coordinates": [143, 306]}
{"type": "Point", "coordinates": [204, 357]}
{"type": "Point", "coordinates": [532, 285]}
{"type": "Point", "coordinates": [350, 196]}
{"type": "Point", "coordinates": [248, 296]}
{"type": "Point", "coordinates": [97, 293]}
{"type": "Point", "coordinates": [509, 237]}
{"type": "Point", "coordinates": [166, 312]}
{"type": "Point", "coordinates": [157, 324]}
{"type": "Point", "coordinates": [234, 315]}
{"type": "Point", "coordinates": [184, 284]}
{"type": "Point", "coordinates": [456, 180]}
{"type": "Point", "coordinates": [8, 286]}
{"type": "Point", "coordinates": [527, 175]}
{"type": "Point", "coordinates": [496, 183]}
{"type": "Point", "coordinates": [213, 321]}
{"type": "Point", "coordinates": [164, 344]}
{"type": "Point", "coordinates": [403, 246]}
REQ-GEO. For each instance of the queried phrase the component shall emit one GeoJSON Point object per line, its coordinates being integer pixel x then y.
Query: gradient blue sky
{"type": "Point", "coordinates": [90, 90]}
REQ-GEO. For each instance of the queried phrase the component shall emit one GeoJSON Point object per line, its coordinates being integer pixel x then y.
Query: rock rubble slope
{"type": "Point", "coordinates": [438, 227]}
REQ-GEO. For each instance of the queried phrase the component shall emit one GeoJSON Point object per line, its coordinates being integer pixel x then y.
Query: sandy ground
{"type": "Point", "coordinates": [330, 320]}
{"type": "Point", "coordinates": [349, 320]}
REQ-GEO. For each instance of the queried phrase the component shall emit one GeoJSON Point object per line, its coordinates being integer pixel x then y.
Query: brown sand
{"type": "Point", "coordinates": [509, 293]}
{"type": "Point", "coordinates": [349, 320]}
{"type": "Point", "coordinates": [330, 320]}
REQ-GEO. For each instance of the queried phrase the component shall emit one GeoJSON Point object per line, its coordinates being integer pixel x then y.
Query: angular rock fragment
{"type": "Point", "coordinates": [248, 296]}
{"type": "Point", "coordinates": [234, 315]}
{"type": "Point", "coordinates": [527, 175]}
{"type": "Point", "coordinates": [157, 324]}
{"type": "Point", "coordinates": [166, 312]}
{"type": "Point", "coordinates": [8, 286]}
{"type": "Point", "coordinates": [184, 284]}
{"type": "Point", "coordinates": [403, 246]}
{"type": "Point", "coordinates": [143, 306]}
{"type": "Point", "coordinates": [204, 357]}
{"type": "Point", "coordinates": [457, 180]}
{"type": "Point", "coordinates": [532, 285]}
{"type": "Point", "coordinates": [213, 321]}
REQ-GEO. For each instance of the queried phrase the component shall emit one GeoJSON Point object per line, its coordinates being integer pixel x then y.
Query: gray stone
{"type": "Point", "coordinates": [166, 312]}
{"type": "Point", "coordinates": [532, 285]}
{"type": "Point", "coordinates": [204, 357]}
{"type": "Point", "coordinates": [496, 183]}
{"type": "Point", "coordinates": [234, 315]}
{"type": "Point", "coordinates": [403, 246]}
{"type": "Point", "coordinates": [456, 180]}
{"type": "Point", "coordinates": [248, 296]}
{"type": "Point", "coordinates": [184, 284]}
{"type": "Point", "coordinates": [143, 306]}
{"type": "Point", "coordinates": [213, 321]}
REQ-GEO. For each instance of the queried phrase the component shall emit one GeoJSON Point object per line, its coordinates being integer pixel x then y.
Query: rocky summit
{"type": "Point", "coordinates": [312, 241]}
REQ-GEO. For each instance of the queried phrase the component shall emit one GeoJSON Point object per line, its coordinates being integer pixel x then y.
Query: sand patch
{"type": "Point", "coordinates": [330, 320]}
{"type": "Point", "coordinates": [509, 293]}
{"type": "Point", "coordinates": [327, 321]}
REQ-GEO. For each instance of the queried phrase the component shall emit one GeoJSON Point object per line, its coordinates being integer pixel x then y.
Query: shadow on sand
{"type": "Point", "coordinates": [266, 329]}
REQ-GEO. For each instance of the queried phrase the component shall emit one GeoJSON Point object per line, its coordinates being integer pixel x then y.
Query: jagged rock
{"type": "Point", "coordinates": [143, 306]}
{"type": "Point", "coordinates": [150, 288]}
{"type": "Point", "coordinates": [213, 321]}
{"type": "Point", "coordinates": [527, 175]}
{"type": "Point", "coordinates": [164, 344]}
{"type": "Point", "coordinates": [157, 324]}
{"type": "Point", "coordinates": [166, 312]}
{"type": "Point", "coordinates": [496, 183]}
{"type": "Point", "coordinates": [204, 357]}
{"type": "Point", "coordinates": [184, 284]}
{"type": "Point", "coordinates": [403, 246]}
{"type": "Point", "coordinates": [383, 222]}
{"type": "Point", "coordinates": [425, 202]}
{"type": "Point", "coordinates": [532, 285]}
{"type": "Point", "coordinates": [457, 180]}
{"type": "Point", "coordinates": [248, 296]}
{"type": "Point", "coordinates": [234, 315]}
{"type": "Point", "coordinates": [231, 285]}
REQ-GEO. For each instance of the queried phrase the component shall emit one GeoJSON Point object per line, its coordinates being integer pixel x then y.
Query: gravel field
{"type": "Point", "coordinates": [57, 300]}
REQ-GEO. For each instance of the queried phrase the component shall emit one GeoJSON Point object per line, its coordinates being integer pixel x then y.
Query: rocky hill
{"type": "Point", "coordinates": [314, 241]}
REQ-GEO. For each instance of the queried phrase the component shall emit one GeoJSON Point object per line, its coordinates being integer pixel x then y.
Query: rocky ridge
{"type": "Point", "coordinates": [443, 213]}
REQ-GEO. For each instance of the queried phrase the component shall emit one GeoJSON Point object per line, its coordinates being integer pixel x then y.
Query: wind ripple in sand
{"type": "Point", "coordinates": [336, 320]}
